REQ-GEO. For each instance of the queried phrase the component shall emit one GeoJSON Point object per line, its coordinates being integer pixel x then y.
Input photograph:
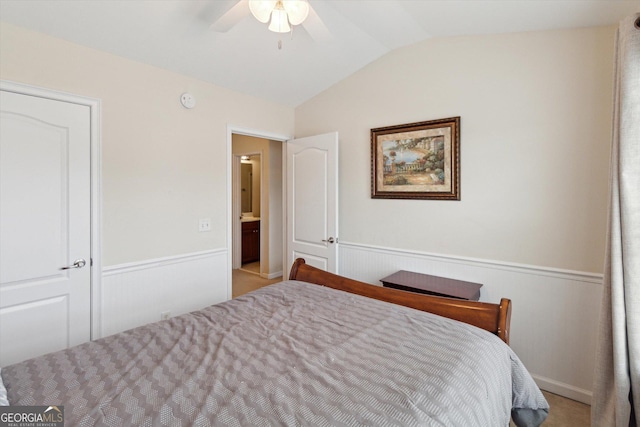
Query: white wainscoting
{"type": "Point", "coordinates": [553, 324]}
{"type": "Point", "coordinates": [137, 293]}
{"type": "Point", "coordinates": [555, 312]}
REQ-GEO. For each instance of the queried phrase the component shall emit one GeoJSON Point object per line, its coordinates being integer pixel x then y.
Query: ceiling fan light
{"type": "Point", "coordinates": [261, 9]}
{"type": "Point", "coordinates": [279, 21]}
{"type": "Point", "coordinates": [298, 10]}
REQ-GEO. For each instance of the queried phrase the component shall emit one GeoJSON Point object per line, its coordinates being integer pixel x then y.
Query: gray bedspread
{"type": "Point", "coordinates": [289, 354]}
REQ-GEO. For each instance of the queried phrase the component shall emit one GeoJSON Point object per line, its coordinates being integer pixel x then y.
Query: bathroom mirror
{"type": "Point", "coordinates": [246, 185]}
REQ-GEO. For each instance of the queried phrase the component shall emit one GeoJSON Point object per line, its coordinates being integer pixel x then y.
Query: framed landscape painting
{"type": "Point", "coordinates": [416, 160]}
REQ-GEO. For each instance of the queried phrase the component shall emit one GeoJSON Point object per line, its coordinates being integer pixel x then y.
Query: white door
{"type": "Point", "coordinates": [312, 201]}
{"type": "Point", "coordinates": [45, 220]}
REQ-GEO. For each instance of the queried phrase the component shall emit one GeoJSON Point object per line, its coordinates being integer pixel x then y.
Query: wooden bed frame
{"type": "Point", "coordinates": [495, 318]}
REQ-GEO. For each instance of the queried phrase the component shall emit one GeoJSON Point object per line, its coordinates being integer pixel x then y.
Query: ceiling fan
{"type": "Point", "coordinates": [281, 15]}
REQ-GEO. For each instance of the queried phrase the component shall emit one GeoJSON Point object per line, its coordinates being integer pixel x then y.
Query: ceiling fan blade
{"type": "Point", "coordinates": [229, 18]}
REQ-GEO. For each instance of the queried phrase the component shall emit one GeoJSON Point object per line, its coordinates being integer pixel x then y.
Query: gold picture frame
{"type": "Point", "coordinates": [416, 160]}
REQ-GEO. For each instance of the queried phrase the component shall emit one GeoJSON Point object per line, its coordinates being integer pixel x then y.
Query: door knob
{"type": "Point", "coordinates": [79, 263]}
{"type": "Point", "coordinates": [329, 240]}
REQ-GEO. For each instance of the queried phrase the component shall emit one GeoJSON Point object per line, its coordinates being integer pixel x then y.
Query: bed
{"type": "Point", "coordinates": [344, 353]}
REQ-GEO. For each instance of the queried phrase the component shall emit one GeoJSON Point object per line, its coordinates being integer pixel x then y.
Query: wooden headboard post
{"type": "Point", "coordinates": [495, 318]}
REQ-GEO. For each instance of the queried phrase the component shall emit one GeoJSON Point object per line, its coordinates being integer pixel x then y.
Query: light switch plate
{"type": "Point", "coordinates": [204, 225]}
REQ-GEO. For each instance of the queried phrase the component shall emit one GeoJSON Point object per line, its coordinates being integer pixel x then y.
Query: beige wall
{"type": "Point", "coordinates": [535, 112]}
{"type": "Point", "coordinates": [535, 129]}
{"type": "Point", "coordinates": [163, 167]}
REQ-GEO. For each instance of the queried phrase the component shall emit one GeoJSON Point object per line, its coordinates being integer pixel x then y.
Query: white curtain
{"type": "Point", "coordinates": [616, 391]}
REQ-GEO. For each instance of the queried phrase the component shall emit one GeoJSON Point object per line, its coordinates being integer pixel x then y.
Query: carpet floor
{"type": "Point", "coordinates": [243, 281]}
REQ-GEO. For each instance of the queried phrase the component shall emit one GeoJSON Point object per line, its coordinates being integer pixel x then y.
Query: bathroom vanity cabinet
{"type": "Point", "coordinates": [250, 241]}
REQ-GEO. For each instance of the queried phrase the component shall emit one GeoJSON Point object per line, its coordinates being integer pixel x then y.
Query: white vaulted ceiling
{"type": "Point", "coordinates": [220, 42]}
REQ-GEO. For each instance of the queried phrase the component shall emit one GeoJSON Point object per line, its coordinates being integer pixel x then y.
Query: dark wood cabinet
{"type": "Point", "coordinates": [250, 241]}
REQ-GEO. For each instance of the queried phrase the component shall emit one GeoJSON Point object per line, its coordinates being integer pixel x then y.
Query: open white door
{"type": "Point", "coordinates": [45, 226]}
{"type": "Point", "coordinates": [312, 201]}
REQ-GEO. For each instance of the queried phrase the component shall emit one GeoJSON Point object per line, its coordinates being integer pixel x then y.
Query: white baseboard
{"type": "Point", "coordinates": [271, 276]}
{"type": "Point", "coordinates": [563, 389]}
{"type": "Point", "coordinates": [137, 293]}
{"type": "Point", "coordinates": [555, 312]}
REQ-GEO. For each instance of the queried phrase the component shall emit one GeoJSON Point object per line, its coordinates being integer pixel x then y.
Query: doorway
{"type": "Point", "coordinates": [256, 211]}
{"type": "Point", "coordinates": [250, 212]}
{"type": "Point", "coordinates": [303, 176]}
